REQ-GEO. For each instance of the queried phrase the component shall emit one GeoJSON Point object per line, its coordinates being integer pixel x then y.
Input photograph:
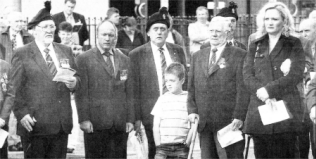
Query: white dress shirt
{"type": "Point", "coordinates": [156, 54]}
{"type": "Point", "coordinates": [18, 38]}
{"type": "Point", "coordinates": [52, 53]}
{"type": "Point", "coordinates": [218, 52]}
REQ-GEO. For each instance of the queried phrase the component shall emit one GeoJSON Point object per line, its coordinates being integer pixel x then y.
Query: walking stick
{"type": "Point", "coordinates": [195, 126]}
{"type": "Point", "coordinates": [247, 148]}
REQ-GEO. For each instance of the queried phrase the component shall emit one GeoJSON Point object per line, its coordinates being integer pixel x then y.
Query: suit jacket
{"type": "Point", "coordinates": [236, 43]}
{"type": "Point", "coordinates": [145, 81]}
{"type": "Point", "coordinates": [123, 41]}
{"type": "Point", "coordinates": [83, 32]}
{"type": "Point", "coordinates": [6, 50]}
{"type": "Point", "coordinates": [35, 93]}
{"type": "Point", "coordinates": [4, 109]}
{"type": "Point", "coordinates": [262, 69]}
{"type": "Point", "coordinates": [218, 94]}
{"type": "Point", "coordinates": [103, 98]}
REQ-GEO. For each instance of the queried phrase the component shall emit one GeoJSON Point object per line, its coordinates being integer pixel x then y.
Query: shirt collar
{"type": "Point", "coordinates": [102, 50]}
{"type": "Point", "coordinates": [66, 15]}
{"type": "Point", "coordinates": [41, 47]}
{"type": "Point", "coordinates": [156, 48]}
{"type": "Point", "coordinates": [219, 49]}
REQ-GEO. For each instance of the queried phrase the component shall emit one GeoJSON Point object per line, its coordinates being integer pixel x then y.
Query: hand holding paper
{"type": "Point", "coordinates": [273, 111]}
{"type": "Point", "coordinates": [66, 75]}
{"type": "Point", "coordinates": [3, 136]}
{"type": "Point", "coordinates": [227, 136]}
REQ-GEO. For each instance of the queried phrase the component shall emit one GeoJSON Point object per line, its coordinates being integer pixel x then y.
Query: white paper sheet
{"type": "Point", "coordinates": [227, 136]}
{"type": "Point", "coordinates": [273, 113]}
{"type": "Point", "coordinates": [3, 136]}
{"type": "Point", "coordinates": [64, 74]}
{"type": "Point", "coordinates": [312, 74]}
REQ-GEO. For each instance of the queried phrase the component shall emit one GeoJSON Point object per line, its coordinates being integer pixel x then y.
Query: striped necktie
{"type": "Point", "coordinates": [109, 62]}
{"type": "Point", "coordinates": [50, 63]}
{"type": "Point", "coordinates": [163, 68]}
{"type": "Point", "coordinates": [213, 58]}
{"type": "Point", "coordinates": [14, 41]}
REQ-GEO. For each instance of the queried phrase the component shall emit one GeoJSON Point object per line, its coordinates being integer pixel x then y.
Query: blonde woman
{"type": "Point", "coordinates": [266, 80]}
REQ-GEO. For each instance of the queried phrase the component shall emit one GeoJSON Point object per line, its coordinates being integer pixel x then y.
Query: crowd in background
{"type": "Point", "coordinates": [125, 83]}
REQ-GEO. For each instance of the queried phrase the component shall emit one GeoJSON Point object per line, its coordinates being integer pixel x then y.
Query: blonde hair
{"type": "Point", "coordinates": [285, 14]}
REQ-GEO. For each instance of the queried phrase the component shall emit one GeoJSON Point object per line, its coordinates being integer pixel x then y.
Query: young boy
{"type": "Point", "coordinates": [65, 35]}
{"type": "Point", "coordinates": [172, 130]}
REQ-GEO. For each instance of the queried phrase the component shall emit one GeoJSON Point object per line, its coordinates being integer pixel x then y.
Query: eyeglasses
{"type": "Point", "coordinates": [46, 27]}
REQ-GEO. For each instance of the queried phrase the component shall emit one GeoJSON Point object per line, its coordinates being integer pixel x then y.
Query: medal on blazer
{"type": "Point", "coordinates": [4, 82]}
{"type": "Point", "coordinates": [123, 75]}
{"type": "Point", "coordinates": [222, 63]}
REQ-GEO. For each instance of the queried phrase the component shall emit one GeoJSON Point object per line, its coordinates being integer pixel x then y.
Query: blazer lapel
{"type": "Point", "coordinates": [39, 59]}
{"type": "Point", "coordinates": [100, 59]}
{"type": "Point", "coordinates": [277, 48]}
{"type": "Point", "coordinates": [205, 60]}
{"type": "Point", "coordinates": [225, 54]}
{"type": "Point", "coordinates": [149, 60]}
{"type": "Point", "coordinates": [117, 60]}
{"type": "Point", "coordinates": [173, 53]}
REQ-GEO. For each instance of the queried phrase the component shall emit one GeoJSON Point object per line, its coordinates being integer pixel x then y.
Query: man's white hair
{"type": "Point", "coordinates": [224, 22]}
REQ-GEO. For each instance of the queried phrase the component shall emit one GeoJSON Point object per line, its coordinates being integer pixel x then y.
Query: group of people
{"type": "Point", "coordinates": [124, 82]}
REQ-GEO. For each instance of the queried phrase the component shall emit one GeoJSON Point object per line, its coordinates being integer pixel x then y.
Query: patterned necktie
{"type": "Point", "coordinates": [13, 41]}
{"type": "Point", "coordinates": [50, 62]}
{"type": "Point", "coordinates": [109, 62]}
{"type": "Point", "coordinates": [163, 68]}
{"type": "Point", "coordinates": [213, 58]}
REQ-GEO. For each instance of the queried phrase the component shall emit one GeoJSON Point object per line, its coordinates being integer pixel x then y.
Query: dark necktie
{"type": "Point", "coordinates": [50, 62]}
{"type": "Point", "coordinates": [13, 41]}
{"type": "Point", "coordinates": [230, 43]}
{"type": "Point", "coordinates": [213, 58]}
{"type": "Point", "coordinates": [109, 62]}
{"type": "Point", "coordinates": [163, 68]}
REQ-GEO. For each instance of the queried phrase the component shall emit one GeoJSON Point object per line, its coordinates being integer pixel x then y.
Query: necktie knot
{"type": "Point", "coordinates": [214, 50]}
{"type": "Point", "coordinates": [107, 54]}
{"type": "Point", "coordinates": [46, 50]}
{"type": "Point", "coordinates": [161, 50]}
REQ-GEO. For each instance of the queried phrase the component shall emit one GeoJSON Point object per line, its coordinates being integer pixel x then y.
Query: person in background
{"type": "Point", "coordinates": [3, 25]}
{"type": "Point", "coordinates": [172, 128]}
{"type": "Point", "coordinates": [265, 81]}
{"type": "Point", "coordinates": [312, 15]}
{"type": "Point", "coordinates": [4, 110]}
{"type": "Point", "coordinates": [198, 31]}
{"type": "Point", "coordinates": [175, 37]}
{"type": "Point", "coordinates": [80, 36]}
{"type": "Point", "coordinates": [129, 37]}
{"type": "Point", "coordinates": [308, 30]}
{"type": "Point", "coordinates": [113, 15]}
{"type": "Point", "coordinates": [104, 101]}
{"type": "Point", "coordinates": [147, 65]}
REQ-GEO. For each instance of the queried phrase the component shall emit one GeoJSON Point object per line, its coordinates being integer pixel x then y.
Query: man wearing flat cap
{"type": "Point", "coordinates": [41, 105]}
{"type": "Point", "coordinates": [148, 63]}
{"type": "Point", "coordinates": [230, 14]}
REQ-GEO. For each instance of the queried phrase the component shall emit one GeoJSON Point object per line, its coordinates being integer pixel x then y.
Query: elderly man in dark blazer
{"type": "Point", "coordinates": [41, 105]}
{"type": "Point", "coordinates": [73, 18]}
{"type": "Point", "coordinates": [147, 65]}
{"type": "Point", "coordinates": [217, 95]}
{"type": "Point", "coordinates": [103, 102]}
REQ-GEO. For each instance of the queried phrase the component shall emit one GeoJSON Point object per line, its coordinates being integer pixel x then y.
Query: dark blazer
{"type": "Point", "coordinates": [145, 81]}
{"type": "Point", "coordinates": [218, 95]}
{"type": "Point", "coordinates": [6, 50]}
{"type": "Point", "coordinates": [103, 99]}
{"type": "Point", "coordinates": [123, 41]}
{"type": "Point", "coordinates": [236, 43]}
{"type": "Point", "coordinates": [311, 95]}
{"type": "Point", "coordinates": [262, 69]}
{"type": "Point", "coordinates": [83, 32]}
{"type": "Point", "coordinates": [34, 92]}
{"type": "Point", "coordinates": [5, 110]}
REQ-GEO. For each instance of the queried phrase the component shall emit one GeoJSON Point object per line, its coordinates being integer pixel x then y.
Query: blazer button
{"type": "Point", "coordinates": [275, 68]}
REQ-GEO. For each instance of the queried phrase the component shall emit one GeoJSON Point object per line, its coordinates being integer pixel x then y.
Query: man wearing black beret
{"type": "Point", "coordinates": [148, 63]}
{"type": "Point", "coordinates": [230, 13]}
{"type": "Point", "coordinates": [41, 105]}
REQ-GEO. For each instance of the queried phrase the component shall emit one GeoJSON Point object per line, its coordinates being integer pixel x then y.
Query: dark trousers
{"type": "Point", "coordinates": [151, 141]}
{"type": "Point", "coordinates": [304, 138]}
{"type": "Point", "coordinates": [209, 150]}
{"type": "Point", "coordinates": [4, 149]}
{"type": "Point", "coordinates": [45, 146]}
{"type": "Point", "coordinates": [107, 143]}
{"type": "Point", "coordinates": [280, 145]}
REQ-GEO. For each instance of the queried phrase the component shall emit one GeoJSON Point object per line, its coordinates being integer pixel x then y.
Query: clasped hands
{"type": "Point", "coordinates": [70, 82]}
{"type": "Point", "coordinates": [87, 127]}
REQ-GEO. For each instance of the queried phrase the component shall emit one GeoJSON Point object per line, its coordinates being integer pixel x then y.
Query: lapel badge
{"type": "Point", "coordinates": [222, 63]}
